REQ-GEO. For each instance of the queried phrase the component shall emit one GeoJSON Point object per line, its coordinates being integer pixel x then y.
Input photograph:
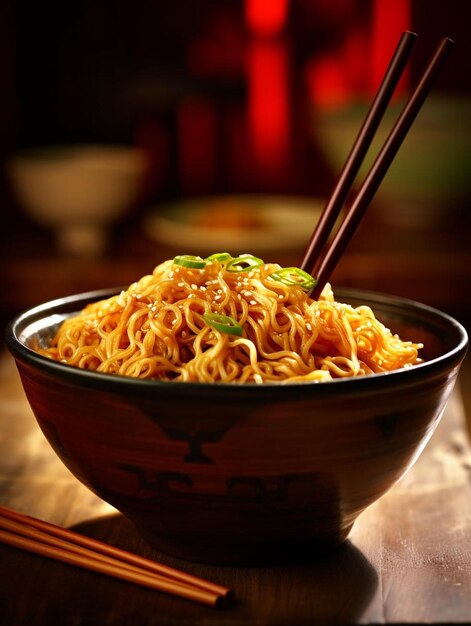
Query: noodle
{"type": "Point", "coordinates": [223, 322]}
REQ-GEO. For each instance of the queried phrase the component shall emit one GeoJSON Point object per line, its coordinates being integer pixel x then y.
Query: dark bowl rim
{"type": "Point", "coordinates": [114, 382]}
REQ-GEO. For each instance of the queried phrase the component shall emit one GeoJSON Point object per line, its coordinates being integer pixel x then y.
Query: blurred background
{"type": "Point", "coordinates": [131, 132]}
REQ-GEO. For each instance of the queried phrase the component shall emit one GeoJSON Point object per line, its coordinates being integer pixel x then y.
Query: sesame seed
{"type": "Point", "coordinates": [253, 302]}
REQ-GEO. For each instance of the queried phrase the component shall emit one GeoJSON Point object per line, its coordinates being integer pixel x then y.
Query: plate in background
{"type": "Point", "coordinates": [234, 223]}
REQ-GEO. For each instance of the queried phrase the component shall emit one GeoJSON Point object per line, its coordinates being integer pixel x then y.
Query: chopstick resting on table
{"type": "Point", "coordinates": [321, 256]}
{"type": "Point", "coordinates": [46, 539]}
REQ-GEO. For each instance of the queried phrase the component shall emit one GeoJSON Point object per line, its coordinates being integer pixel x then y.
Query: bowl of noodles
{"type": "Point", "coordinates": [232, 418]}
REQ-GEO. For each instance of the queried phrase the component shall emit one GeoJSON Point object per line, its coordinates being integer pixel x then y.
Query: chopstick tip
{"type": "Point", "coordinates": [225, 600]}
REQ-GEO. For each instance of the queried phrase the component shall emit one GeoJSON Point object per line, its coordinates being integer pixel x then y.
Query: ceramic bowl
{"type": "Point", "coordinates": [241, 474]}
{"type": "Point", "coordinates": [429, 179]}
{"type": "Point", "coordinates": [79, 191]}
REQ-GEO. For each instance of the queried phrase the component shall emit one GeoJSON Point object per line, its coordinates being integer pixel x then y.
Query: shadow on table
{"type": "Point", "coordinates": [334, 588]}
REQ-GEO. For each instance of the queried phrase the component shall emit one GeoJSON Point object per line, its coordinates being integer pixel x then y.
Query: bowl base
{"type": "Point", "coordinates": [245, 552]}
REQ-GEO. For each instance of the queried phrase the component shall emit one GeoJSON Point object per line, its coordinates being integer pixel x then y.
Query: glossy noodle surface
{"type": "Point", "coordinates": [228, 320]}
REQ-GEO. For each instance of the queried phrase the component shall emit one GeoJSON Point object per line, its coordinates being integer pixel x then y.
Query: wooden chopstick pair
{"type": "Point", "coordinates": [321, 255]}
{"type": "Point", "coordinates": [40, 537]}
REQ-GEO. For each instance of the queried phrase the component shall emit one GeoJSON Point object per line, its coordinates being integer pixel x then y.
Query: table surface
{"type": "Point", "coordinates": [408, 557]}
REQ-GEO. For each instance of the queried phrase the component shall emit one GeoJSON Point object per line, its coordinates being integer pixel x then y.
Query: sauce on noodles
{"type": "Point", "coordinates": [222, 319]}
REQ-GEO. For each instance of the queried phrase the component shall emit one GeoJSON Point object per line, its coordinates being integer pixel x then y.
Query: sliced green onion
{"type": "Point", "coordinates": [223, 323]}
{"type": "Point", "coordinates": [243, 263]}
{"type": "Point", "coordinates": [188, 260]}
{"type": "Point", "coordinates": [294, 276]}
{"type": "Point", "coordinates": [222, 257]}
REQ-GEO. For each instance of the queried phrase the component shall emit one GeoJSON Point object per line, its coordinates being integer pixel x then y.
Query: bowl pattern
{"type": "Point", "coordinates": [241, 473]}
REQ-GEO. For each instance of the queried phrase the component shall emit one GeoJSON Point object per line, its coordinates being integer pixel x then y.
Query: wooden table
{"type": "Point", "coordinates": [408, 558]}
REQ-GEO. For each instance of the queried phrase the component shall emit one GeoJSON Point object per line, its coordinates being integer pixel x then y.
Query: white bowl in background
{"type": "Point", "coordinates": [78, 190]}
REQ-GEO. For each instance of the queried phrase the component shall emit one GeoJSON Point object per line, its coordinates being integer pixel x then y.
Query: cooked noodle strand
{"type": "Point", "coordinates": [156, 329]}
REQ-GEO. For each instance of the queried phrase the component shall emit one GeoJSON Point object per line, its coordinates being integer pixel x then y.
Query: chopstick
{"type": "Point", "coordinates": [321, 257]}
{"type": "Point", "coordinates": [46, 539]}
{"type": "Point", "coordinates": [358, 151]}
